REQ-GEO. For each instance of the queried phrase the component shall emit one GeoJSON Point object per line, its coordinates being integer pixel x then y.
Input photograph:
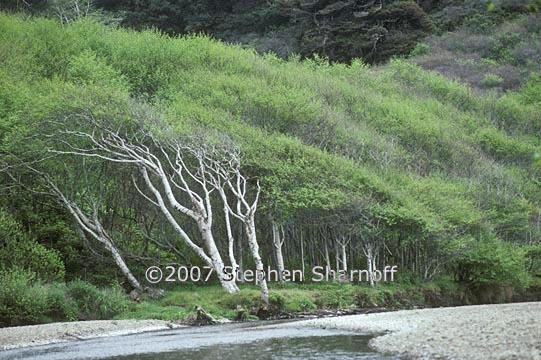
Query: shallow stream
{"type": "Point", "coordinates": [246, 341]}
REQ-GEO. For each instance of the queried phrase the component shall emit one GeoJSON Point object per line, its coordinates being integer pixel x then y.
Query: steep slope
{"type": "Point", "coordinates": [436, 166]}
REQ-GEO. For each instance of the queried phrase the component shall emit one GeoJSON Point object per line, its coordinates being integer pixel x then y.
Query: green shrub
{"type": "Point", "coordinates": [18, 249]}
{"type": "Point", "coordinates": [336, 298]}
{"type": "Point", "coordinates": [533, 254]}
{"type": "Point", "coordinates": [87, 297]}
{"type": "Point", "coordinates": [531, 91]}
{"type": "Point", "coordinates": [277, 302]}
{"type": "Point", "coordinates": [491, 80]}
{"type": "Point", "coordinates": [94, 303]}
{"type": "Point", "coordinates": [60, 307]}
{"type": "Point", "coordinates": [420, 49]}
{"type": "Point", "coordinates": [298, 301]}
{"type": "Point", "coordinates": [505, 42]}
{"type": "Point", "coordinates": [368, 298]}
{"type": "Point", "coordinates": [492, 262]}
{"type": "Point", "coordinates": [87, 68]}
{"type": "Point", "coordinates": [27, 302]}
{"type": "Point", "coordinates": [21, 301]}
{"type": "Point", "coordinates": [113, 302]}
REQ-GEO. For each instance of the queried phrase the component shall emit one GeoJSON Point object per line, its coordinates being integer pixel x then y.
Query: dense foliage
{"type": "Point", "coordinates": [374, 30]}
{"type": "Point", "coordinates": [424, 171]}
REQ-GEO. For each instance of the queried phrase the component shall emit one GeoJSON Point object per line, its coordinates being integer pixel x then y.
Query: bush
{"type": "Point", "coordinates": [530, 92]}
{"type": "Point", "coordinates": [88, 68]}
{"type": "Point", "coordinates": [18, 249]}
{"type": "Point", "coordinates": [277, 302]}
{"type": "Point", "coordinates": [21, 302]}
{"type": "Point", "coordinates": [95, 304]}
{"type": "Point", "coordinates": [338, 298]}
{"type": "Point", "coordinates": [299, 302]}
{"type": "Point", "coordinates": [420, 49]}
{"type": "Point", "coordinates": [60, 307]}
{"type": "Point", "coordinates": [368, 298]}
{"type": "Point", "coordinates": [533, 254]}
{"type": "Point", "coordinates": [87, 298]}
{"type": "Point", "coordinates": [492, 263]}
{"type": "Point", "coordinates": [25, 301]}
{"type": "Point", "coordinates": [113, 302]}
{"type": "Point", "coordinates": [491, 80]}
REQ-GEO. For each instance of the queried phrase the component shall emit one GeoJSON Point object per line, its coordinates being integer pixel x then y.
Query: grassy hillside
{"type": "Point", "coordinates": [451, 177]}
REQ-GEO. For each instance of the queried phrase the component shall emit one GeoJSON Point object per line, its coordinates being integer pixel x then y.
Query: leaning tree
{"type": "Point", "coordinates": [219, 163]}
{"type": "Point", "coordinates": [178, 175]}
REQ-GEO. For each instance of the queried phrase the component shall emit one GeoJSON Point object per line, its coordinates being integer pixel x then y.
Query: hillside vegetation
{"type": "Point", "coordinates": [423, 171]}
{"type": "Point", "coordinates": [374, 30]}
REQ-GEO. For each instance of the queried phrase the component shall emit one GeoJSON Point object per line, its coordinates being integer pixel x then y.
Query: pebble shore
{"type": "Point", "coordinates": [482, 332]}
{"type": "Point", "coordinates": [33, 335]}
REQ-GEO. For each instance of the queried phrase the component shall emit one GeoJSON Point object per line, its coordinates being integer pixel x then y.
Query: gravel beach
{"type": "Point", "coordinates": [22, 336]}
{"type": "Point", "coordinates": [505, 331]}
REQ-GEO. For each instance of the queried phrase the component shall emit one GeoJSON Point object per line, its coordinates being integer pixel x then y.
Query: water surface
{"type": "Point", "coordinates": [245, 341]}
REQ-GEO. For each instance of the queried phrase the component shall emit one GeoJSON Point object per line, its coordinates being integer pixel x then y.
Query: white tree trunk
{"type": "Point", "coordinates": [327, 257]}
{"type": "Point", "coordinates": [181, 176]}
{"type": "Point", "coordinates": [369, 262]}
{"type": "Point", "coordinates": [277, 245]}
{"type": "Point", "coordinates": [122, 266]}
{"type": "Point", "coordinates": [254, 249]}
{"type": "Point", "coordinates": [240, 253]}
{"type": "Point", "coordinates": [344, 257]}
{"type": "Point", "coordinates": [302, 254]}
{"type": "Point", "coordinates": [213, 259]}
{"type": "Point", "coordinates": [230, 240]}
{"type": "Point", "coordinates": [217, 262]}
{"type": "Point", "coordinates": [337, 255]}
{"type": "Point", "coordinates": [93, 227]}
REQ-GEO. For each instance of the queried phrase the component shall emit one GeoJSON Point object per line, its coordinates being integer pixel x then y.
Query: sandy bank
{"type": "Point", "coordinates": [506, 331]}
{"type": "Point", "coordinates": [21, 336]}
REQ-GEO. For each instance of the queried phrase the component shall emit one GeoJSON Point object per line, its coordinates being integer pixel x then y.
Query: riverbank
{"type": "Point", "coordinates": [503, 331]}
{"type": "Point", "coordinates": [247, 341]}
{"type": "Point", "coordinates": [293, 300]}
{"type": "Point", "coordinates": [33, 335]}
{"type": "Point", "coordinates": [176, 308]}
{"type": "Point", "coordinates": [316, 300]}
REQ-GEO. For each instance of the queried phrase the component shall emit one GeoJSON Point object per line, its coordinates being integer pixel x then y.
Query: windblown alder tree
{"type": "Point", "coordinates": [220, 164]}
{"type": "Point", "coordinates": [180, 178]}
{"type": "Point", "coordinates": [73, 190]}
{"type": "Point", "coordinates": [89, 224]}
